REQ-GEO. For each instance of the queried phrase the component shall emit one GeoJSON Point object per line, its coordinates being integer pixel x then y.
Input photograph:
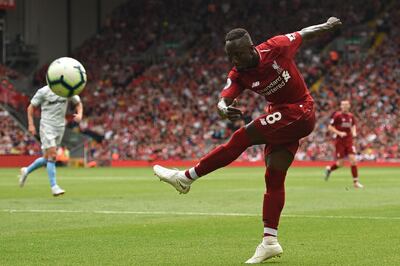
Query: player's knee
{"type": "Point", "coordinates": [51, 154]}
{"type": "Point", "coordinates": [275, 179]}
{"type": "Point", "coordinates": [279, 160]}
{"type": "Point", "coordinates": [339, 163]}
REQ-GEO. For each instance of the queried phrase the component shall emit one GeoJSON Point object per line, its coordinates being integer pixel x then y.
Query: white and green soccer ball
{"type": "Point", "coordinates": [66, 77]}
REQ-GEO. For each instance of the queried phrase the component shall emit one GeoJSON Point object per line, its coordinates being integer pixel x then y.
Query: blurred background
{"type": "Point", "coordinates": [156, 68]}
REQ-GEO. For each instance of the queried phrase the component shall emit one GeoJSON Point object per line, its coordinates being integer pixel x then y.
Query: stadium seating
{"type": "Point", "coordinates": [13, 140]}
{"type": "Point", "coordinates": [155, 80]}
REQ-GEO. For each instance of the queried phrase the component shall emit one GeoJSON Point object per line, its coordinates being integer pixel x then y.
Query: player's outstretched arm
{"type": "Point", "coordinates": [313, 31]}
{"type": "Point", "coordinates": [226, 110]}
{"type": "Point", "coordinates": [79, 112]}
{"type": "Point", "coordinates": [31, 124]}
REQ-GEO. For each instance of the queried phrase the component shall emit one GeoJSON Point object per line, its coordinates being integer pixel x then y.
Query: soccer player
{"type": "Point", "coordinates": [268, 69]}
{"type": "Point", "coordinates": [343, 125]}
{"type": "Point", "coordinates": [52, 126]}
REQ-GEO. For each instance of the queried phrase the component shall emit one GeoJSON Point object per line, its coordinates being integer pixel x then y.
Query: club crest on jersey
{"type": "Point", "coordinates": [277, 67]}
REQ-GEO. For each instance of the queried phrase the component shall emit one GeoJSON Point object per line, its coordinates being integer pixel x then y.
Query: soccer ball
{"type": "Point", "coordinates": [66, 77]}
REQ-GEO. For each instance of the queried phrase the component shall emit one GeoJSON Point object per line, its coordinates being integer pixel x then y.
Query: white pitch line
{"type": "Point", "coordinates": [234, 214]}
{"type": "Point", "coordinates": [134, 212]}
{"type": "Point", "coordinates": [340, 217]}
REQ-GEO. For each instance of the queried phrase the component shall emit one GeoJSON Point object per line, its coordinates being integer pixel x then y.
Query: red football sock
{"type": "Point", "coordinates": [334, 167]}
{"type": "Point", "coordinates": [354, 172]}
{"type": "Point", "coordinates": [274, 200]}
{"type": "Point", "coordinates": [223, 154]}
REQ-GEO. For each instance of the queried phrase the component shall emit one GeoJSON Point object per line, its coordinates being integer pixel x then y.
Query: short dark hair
{"type": "Point", "coordinates": [236, 33]}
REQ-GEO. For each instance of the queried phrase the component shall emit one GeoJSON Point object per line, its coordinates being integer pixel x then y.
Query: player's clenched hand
{"type": "Point", "coordinates": [77, 118]}
{"type": "Point", "coordinates": [233, 113]}
{"type": "Point", "coordinates": [230, 112]}
{"type": "Point", "coordinates": [342, 134]}
{"type": "Point", "coordinates": [32, 129]}
{"type": "Point", "coordinates": [226, 109]}
{"type": "Point", "coordinates": [333, 22]}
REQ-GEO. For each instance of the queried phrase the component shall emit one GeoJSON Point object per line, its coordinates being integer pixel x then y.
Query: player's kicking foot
{"type": "Point", "coordinates": [175, 178]}
{"type": "Point", "coordinates": [358, 185]}
{"type": "Point", "coordinates": [268, 248]}
{"type": "Point", "coordinates": [57, 191]}
{"type": "Point", "coordinates": [328, 172]}
{"type": "Point", "coordinates": [23, 176]}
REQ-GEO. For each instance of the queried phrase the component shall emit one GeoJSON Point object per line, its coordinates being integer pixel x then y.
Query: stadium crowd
{"type": "Point", "coordinates": [371, 84]}
{"type": "Point", "coordinates": [13, 140]}
{"type": "Point", "coordinates": [166, 109]}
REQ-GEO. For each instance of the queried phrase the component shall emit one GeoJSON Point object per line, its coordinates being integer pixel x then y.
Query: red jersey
{"type": "Point", "coordinates": [343, 122]}
{"type": "Point", "coordinates": [276, 76]}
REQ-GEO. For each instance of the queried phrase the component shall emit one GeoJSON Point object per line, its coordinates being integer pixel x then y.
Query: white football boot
{"type": "Point", "coordinates": [328, 172]}
{"type": "Point", "coordinates": [175, 178]}
{"type": "Point", "coordinates": [57, 191]}
{"type": "Point", "coordinates": [268, 248]}
{"type": "Point", "coordinates": [23, 176]}
{"type": "Point", "coordinates": [358, 185]}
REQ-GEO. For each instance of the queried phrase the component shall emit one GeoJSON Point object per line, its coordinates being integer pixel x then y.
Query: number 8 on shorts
{"type": "Point", "coordinates": [271, 119]}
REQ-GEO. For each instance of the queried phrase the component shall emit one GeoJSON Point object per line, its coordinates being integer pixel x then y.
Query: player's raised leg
{"type": "Point", "coordinates": [278, 161]}
{"type": "Point", "coordinates": [217, 158]}
{"type": "Point", "coordinates": [354, 171]}
{"type": "Point", "coordinates": [25, 171]}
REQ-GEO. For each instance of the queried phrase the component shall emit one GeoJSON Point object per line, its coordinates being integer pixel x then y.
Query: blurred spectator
{"type": "Point", "coordinates": [13, 140]}
{"type": "Point", "coordinates": [62, 158]}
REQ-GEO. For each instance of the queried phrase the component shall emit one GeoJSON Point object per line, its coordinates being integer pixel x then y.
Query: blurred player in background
{"type": "Point", "coordinates": [267, 69]}
{"type": "Point", "coordinates": [52, 126]}
{"type": "Point", "coordinates": [343, 125]}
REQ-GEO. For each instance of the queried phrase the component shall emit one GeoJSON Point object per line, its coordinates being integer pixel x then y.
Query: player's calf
{"type": "Point", "coordinates": [354, 174]}
{"type": "Point", "coordinates": [25, 171]}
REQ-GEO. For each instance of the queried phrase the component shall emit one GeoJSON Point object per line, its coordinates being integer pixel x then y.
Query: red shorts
{"type": "Point", "coordinates": [285, 124]}
{"type": "Point", "coordinates": [343, 149]}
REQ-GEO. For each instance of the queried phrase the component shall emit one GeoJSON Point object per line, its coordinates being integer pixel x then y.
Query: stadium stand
{"type": "Point", "coordinates": [13, 140]}
{"type": "Point", "coordinates": [154, 86]}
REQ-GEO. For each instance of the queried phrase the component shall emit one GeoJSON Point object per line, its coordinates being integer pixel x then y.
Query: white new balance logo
{"type": "Point", "coordinates": [291, 37]}
{"type": "Point", "coordinates": [255, 84]}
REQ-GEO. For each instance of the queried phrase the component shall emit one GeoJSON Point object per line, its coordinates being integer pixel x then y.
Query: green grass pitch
{"type": "Point", "coordinates": [127, 217]}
